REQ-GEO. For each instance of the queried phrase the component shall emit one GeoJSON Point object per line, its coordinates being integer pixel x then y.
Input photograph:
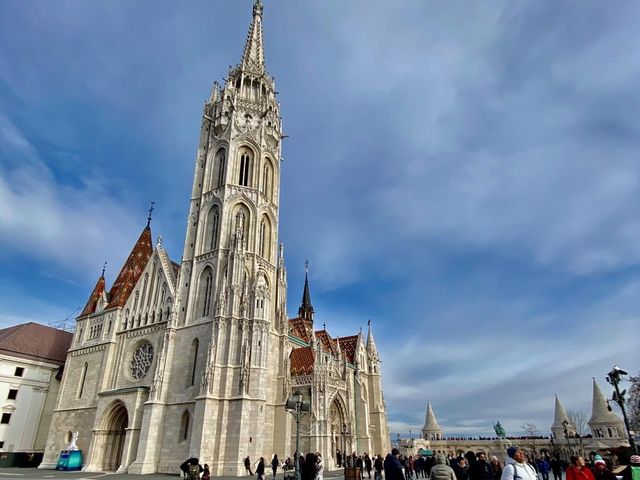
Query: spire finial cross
{"type": "Point", "coordinates": [324, 326]}
{"type": "Point", "coordinates": [150, 212]}
{"type": "Point", "coordinates": [369, 323]}
{"type": "Point", "coordinates": [306, 266]}
{"type": "Point", "coordinates": [104, 267]}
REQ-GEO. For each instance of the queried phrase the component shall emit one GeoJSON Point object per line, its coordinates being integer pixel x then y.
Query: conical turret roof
{"type": "Point", "coordinates": [560, 416]}
{"type": "Point", "coordinates": [131, 270]}
{"type": "Point", "coordinates": [97, 292]}
{"type": "Point", "coordinates": [306, 309]}
{"type": "Point", "coordinates": [430, 422]}
{"type": "Point", "coordinates": [371, 344]}
{"type": "Point", "coordinates": [599, 412]}
{"type": "Point", "coordinates": [253, 54]}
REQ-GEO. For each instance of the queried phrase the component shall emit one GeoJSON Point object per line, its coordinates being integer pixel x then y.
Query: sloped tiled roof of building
{"type": "Point", "coordinates": [301, 361]}
{"type": "Point", "coordinates": [131, 270]}
{"type": "Point", "coordinates": [348, 347]}
{"type": "Point", "coordinates": [98, 290]}
{"type": "Point", "coordinates": [328, 344]}
{"type": "Point", "coordinates": [37, 342]}
{"type": "Point", "coordinates": [301, 328]}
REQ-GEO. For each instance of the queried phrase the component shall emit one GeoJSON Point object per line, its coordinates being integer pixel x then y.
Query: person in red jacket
{"type": "Point", "coordinates": [579, 470]}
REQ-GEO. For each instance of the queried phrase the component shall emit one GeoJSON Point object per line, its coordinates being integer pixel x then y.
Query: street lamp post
{"type": "Point", "coordinates": [565, 424]}
{"type": "Point", "coordinates": [614, 377]}
{"type": "Point", "coordinates": [297, 406]}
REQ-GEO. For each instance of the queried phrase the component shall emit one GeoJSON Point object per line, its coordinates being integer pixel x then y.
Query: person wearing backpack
{"type": "Point", "coordinates": [632, 471]}
{"type": "Point", "coordinates": [516, 468]}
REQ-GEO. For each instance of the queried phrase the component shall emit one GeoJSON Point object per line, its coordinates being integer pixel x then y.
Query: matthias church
{"type": "Point", "coordinates": [198, 358]}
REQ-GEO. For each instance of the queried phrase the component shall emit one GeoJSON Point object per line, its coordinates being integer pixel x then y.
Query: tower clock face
{"type": "Point", "coordinates": [141, 361]}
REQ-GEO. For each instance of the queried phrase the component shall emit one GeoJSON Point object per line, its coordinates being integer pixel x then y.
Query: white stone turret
{"type": "Point", "coordinates": [559, 419]}
{"type": "Point", "coordinates": [604, 424]}
{"type": "Point", "coordinates": [431, 429]}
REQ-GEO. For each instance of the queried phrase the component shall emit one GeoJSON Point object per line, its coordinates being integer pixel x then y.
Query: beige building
{"type": "Point", "coordinates": [31, 362]}
{"type": "Point", "coordinates": [198, 358]}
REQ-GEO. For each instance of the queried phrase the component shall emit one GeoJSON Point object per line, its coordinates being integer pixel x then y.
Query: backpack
{"type": "Point", "coordinates": [194, 471]}
{"type": "Point", "coordinates": [635, 473]}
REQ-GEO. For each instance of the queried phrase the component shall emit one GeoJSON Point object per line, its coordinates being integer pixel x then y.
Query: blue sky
{"type": "Point", "coordinates": [465, 174]}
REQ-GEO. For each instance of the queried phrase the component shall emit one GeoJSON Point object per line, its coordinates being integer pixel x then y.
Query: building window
{"type": "Point", "coordinates": [19, 371]}
{"type": "Point", "coordinates": [184, 426]}
{"type": "Point", "coordinates": [83, 377]}
{"type": "Point", "coordinates": [13, 394]}
{"type": "Point", "coordinates": [1, 444]}
{"type": "Point", "coordinates": [219, 168]}
{"type": "Point", "coordinates": [245, 169]}
{"type": "Point", "coordinates": [207, 286]}
{"type": "Point", "coordinates": [6, 417]}
{"type": "Point", "coordinates": [213, 224]}
{"type": "Point", "coordinates": [194, 350]}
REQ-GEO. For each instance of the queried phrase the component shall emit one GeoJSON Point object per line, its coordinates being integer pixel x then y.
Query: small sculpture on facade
{"type": "Point", "coordinates": [74, 439]}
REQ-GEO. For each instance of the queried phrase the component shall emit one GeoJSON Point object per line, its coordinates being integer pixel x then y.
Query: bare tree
{"type": "Point", "coordinates": [633, 403]}
{"type": "Point", "coordinates": [579, 420]}
{"type": "Point", "coordinates": [531, 432]}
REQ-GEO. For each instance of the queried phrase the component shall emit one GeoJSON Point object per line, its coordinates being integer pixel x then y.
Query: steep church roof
{"type": "Point", "coordinates": [301, 361]}
{"type": "Point", "coordinates": [253, 54]}
{"type": "Point", "coordinates": [97, 292]}
{"type": "Point", "coordinates": [348, 346]}
{"type": "Point", "coordinates": [131, 270]}
{"type": "Point", "coordinates": [34, 341]}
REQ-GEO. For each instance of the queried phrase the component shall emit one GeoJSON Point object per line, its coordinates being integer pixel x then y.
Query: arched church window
{"type": "Point", "coordinates": [213, 224]}
{"type": "Point", "coordinates": [219, 168]}
{"type": "Point", "coordinates": [267, 179]}
{"type": "Point", "coordinates": [194, 356]}
{"type": "Point", "coordinates": [185, 424]}
{"type": "Point", "coordinates": [245, 169]}
{"type": "Point", "coordinates": [264, 246]}
{"type": "Point", "coordinates": [206, 286]}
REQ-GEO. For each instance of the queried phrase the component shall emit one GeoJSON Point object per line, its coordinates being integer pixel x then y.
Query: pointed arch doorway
{"type": "Point", "coordinates": [115, 426]}
{"type": "Point", "coordinates": [339, 429]}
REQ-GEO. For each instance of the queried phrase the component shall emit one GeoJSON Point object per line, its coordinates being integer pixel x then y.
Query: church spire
{"type": "Point", "coordinates": [253, 54]}
{"type": "Point", "coordinates": [560, 416]}
{"type": "Point", "coordinates": [371, 344]}
{"type": "Point", "coordinates": [431, 429]}
{"type": "Point", "coordinates": [306, 309]}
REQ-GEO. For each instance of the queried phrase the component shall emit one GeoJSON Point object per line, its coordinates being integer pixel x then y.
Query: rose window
{"type": "Point", "coordinates": [141, 361]}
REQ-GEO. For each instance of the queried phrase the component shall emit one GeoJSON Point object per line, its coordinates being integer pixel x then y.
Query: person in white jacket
{"type": "Point", "coordinates": [319, 467]}
{"type": "Point", "coordinates": [516, 467]}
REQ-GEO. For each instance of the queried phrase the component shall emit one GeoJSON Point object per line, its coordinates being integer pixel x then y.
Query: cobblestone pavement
{"type": "Point", "coordinates": [36, 474]}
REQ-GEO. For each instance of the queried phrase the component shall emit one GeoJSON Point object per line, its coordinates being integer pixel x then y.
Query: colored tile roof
{"type": "Point", "coordinates": [301, 328]}
{"type": "Point", "coordinates": [131, 270]}
{"type": "Point", "coordinates": [348, 347]}
{"type": "Point", "coordinates": [98, 290]}
{"type": "Point", "coordinates": [301, 361]}
{"type": "Point", "coordinates": [34, 341]}
{"type": "Point", "coordinates": [328, 344]}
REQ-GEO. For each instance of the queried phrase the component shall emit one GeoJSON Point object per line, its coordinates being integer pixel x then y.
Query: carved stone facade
{"type": "Point", "coordinates": [198, 359]}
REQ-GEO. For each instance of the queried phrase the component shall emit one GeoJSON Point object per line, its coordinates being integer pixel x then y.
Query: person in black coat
{"type": "Point", "coordinates": [392, 466]}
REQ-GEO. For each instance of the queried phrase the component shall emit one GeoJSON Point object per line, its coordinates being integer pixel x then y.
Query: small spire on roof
{"type": "Point", "coordinates": [324, 326]}
{"type": "Point", "coordinates": [104, 267]}
{"type": "Point", "coordinates": [150, 212]}
{"type": "Point", "coordinates": [306, 309]}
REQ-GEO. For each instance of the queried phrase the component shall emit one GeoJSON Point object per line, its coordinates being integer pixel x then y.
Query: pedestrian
{"type": "Point", "coordinates": [308, 471]}
{"type": "Point", "coordinates": [392, 466]}
{"type": "Point", "coordinates": [480, 468]}
{"type": "Point", "coordinates": [496, 468]}
{"type": "Point", "coordinates": [516, 468]}
{"type": "Point", "coordinates": [368, 464]}
{"type": "Point", "coordinates": [247, 466]}
{"type": "Point", "coordinates": [543, 468]}
{"type": "Point", "coordinates": [206, 474]}
{"type": "Point", "coordinates": [460, 468]}
{"type": "Point", "coordinates": [632, 471]}
{"type": "Point", "coordinates": [579, 470]}
{"type": "Point", "coordinates": [441, 471]}
{"type": "Point", "coordinates": [378, 466]}
{"type": "Point", "coordinates": [556, 468]}
{"type": "Point", "coordinates": [360, 465]}
{"type": "Point", "coordinates": [601, 471]}
{"type": "Point", "coordinates": [260, 469]}
{"type": "Point", "coordinates": [319, 467]}
{"type": "Point", "coordinates": [274, 465]}
{"type": "Point", "coordinates": [339, 458]}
